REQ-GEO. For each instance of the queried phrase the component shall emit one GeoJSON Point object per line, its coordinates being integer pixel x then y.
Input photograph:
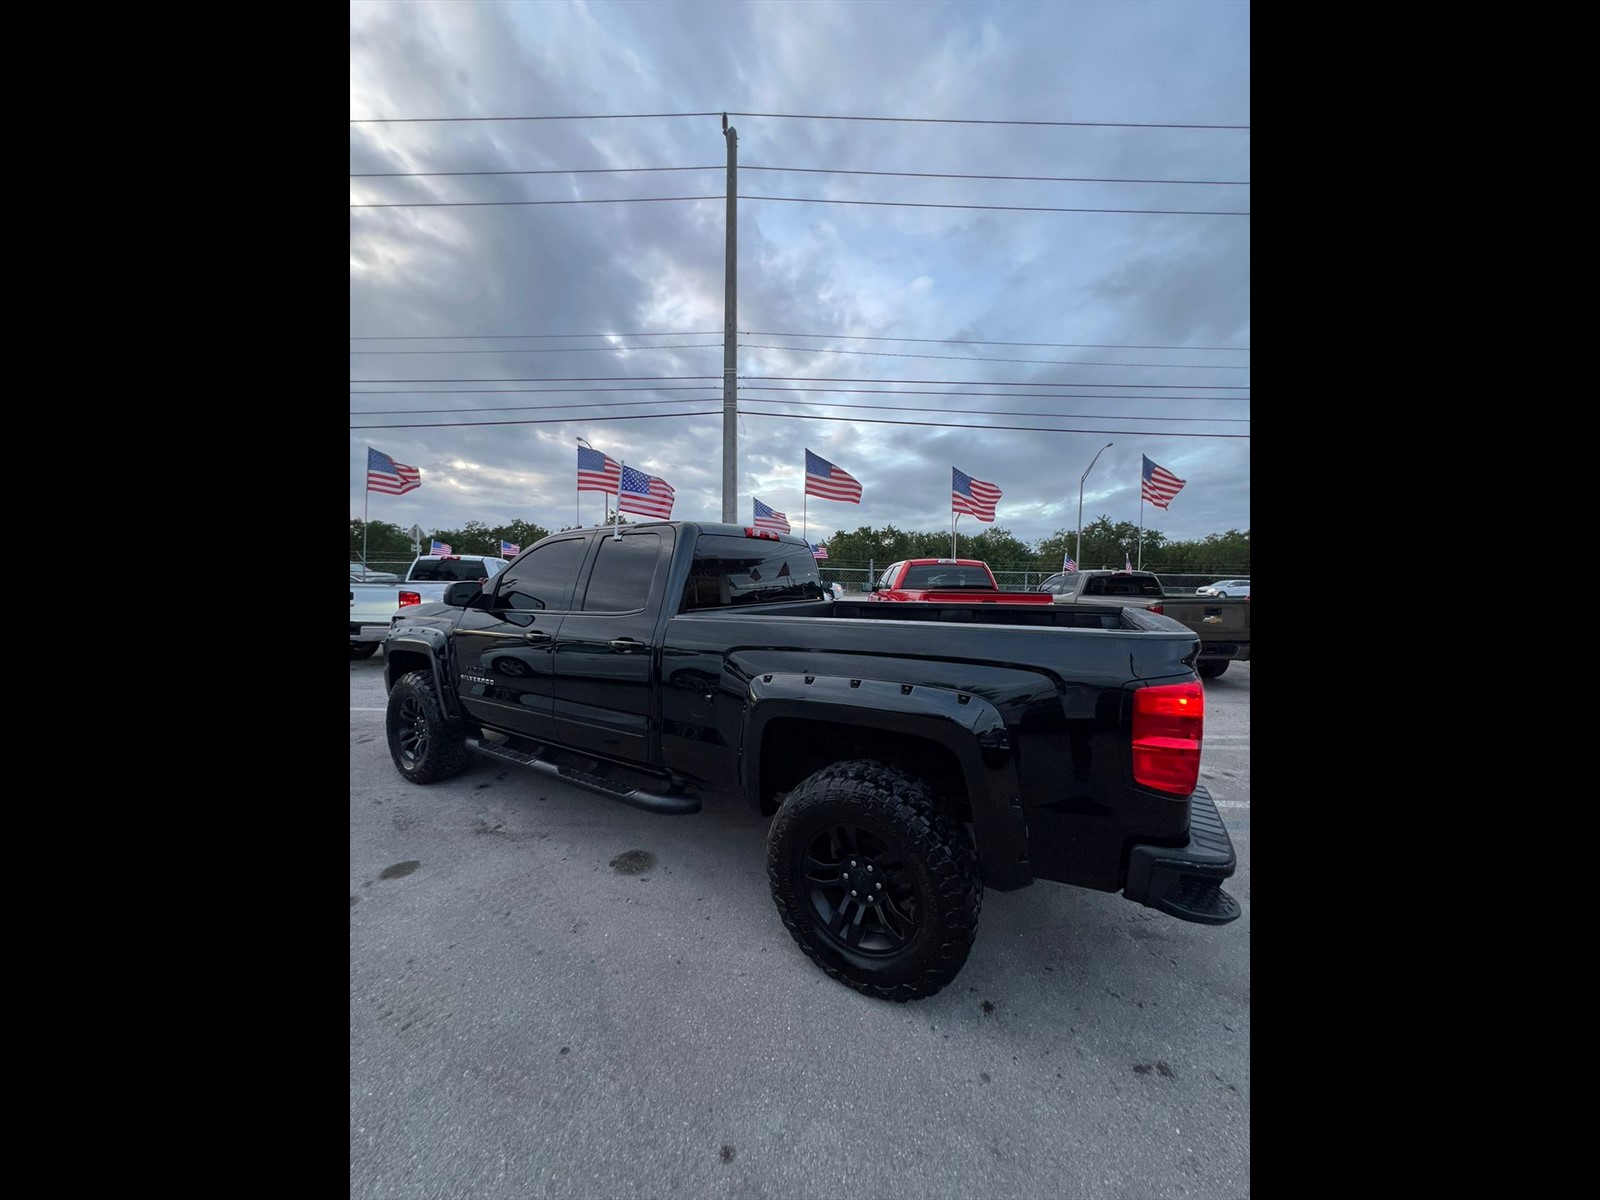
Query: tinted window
{"type": "Point", "coordinates": [541, 578]}
{"type": "Point", "coordinates": [453, 570]}
{"type": "Point", "coordinates": [738, 570]}
{"type": "Point", "coordinates": [623, 573]}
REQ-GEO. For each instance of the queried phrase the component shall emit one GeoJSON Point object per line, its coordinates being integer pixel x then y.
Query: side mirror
{"type": "Point", "coordinates": [462, 593]}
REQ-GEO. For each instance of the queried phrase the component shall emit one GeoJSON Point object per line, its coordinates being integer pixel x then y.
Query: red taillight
{"type": "Point", "coordinates": [410, 598]}
{"type": "Point", "coordinates": [1156, 608]}
{"type": "Point", "coordinates": [760, 533]}
{"type": "Point", "coordinates": [1167, 724]}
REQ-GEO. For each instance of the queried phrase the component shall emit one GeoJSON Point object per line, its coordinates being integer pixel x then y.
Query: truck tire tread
{"type": "Point", "coordinates": [414, 708]}
{"type": "Point", "coordinates": [926, 832]}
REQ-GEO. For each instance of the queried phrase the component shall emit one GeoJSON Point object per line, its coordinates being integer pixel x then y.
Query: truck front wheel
{"type": "Point", "coordinates": [425, 746]}
{"type": "Point", "coordinates": [1210, 670]}
{"type": "Point", "coordinates": [876, 882]}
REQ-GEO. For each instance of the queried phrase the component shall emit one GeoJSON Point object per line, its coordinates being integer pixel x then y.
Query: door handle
{"type": "Point", "coordinates": [626, 644]}
{"type": "Point", "coordinates": [536, 637]}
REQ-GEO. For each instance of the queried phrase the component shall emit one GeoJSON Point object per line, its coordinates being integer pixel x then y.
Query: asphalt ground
{"type": "Point", "coordinates": [552, 994]}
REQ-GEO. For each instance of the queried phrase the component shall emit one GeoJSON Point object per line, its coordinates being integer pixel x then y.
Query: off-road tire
{"type": "Point", "coordinates": [1210, 670]}
{"type": "Point", "coordinates": [938, 868]}
{"type": "Point", "coordinates": [426, 747]}
{"type": "Point", "coordinates": [360, 650]}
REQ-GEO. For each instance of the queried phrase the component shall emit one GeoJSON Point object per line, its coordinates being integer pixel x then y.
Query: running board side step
{"type": "Point", "coordinates": [596, 780]}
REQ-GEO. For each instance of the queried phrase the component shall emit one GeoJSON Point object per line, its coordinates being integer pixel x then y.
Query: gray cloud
{"type": "Point", "coordinates": [824, 269]}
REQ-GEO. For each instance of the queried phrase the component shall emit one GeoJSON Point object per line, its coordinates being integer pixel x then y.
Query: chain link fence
{"type": "Point", "coordinates": [857, 581]}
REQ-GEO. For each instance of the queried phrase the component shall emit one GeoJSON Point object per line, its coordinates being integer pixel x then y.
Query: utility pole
{"type": "Point", "coordinates": [730, 314]}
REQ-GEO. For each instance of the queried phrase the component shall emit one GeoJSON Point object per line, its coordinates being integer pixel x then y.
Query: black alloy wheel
{"type": "Point", "coordinates": [425, 746]}
{"type": "Point", "coordinates": [875, 880]}
{"type": "Point", "coordinates": [861, 890]}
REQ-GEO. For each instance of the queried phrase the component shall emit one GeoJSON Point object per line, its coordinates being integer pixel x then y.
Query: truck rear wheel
{"type": "Point", "coordinates": [876, 883]}
{"type": "Point", "coordinates": [359, 650]}
{"type": "Point", "coordinates": [1210, 670]}
{"type": "Point", "coordinates": [425, 746]}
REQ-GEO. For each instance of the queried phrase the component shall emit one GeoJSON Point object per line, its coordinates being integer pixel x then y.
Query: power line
{"type": "Point", "coordinates": [516, 391]}
{"type": "Point", "coordinates": [717, 412]}
{"type": "Point", "coordinates": [561, 379]}
{"type": "Point", "coordinates": [522, 203]}
{"type": "Point", "coordinates": [1219, 387]}
{"type": "Point", "coordinates": [545, 171]}
{"type": "Point", "coordinates": [963, 425]}
{"type": "Point", "coordinates": [796, 170]}
{"type": "Point", "coordinates": [975, 412]}
{"type": "Point", "coordinates": [790, 417]}
{"type": "Point", "coordinates": [1156, 212]}
{"type": "Point", "coordinates": [862, 337]}
{"type": "Point", "coordinates": [1014, 178]}
{"type": "Point", "coordinates": [1060, 362]}
{"type": "Point", "coordinates": [380, 412]}
{"type": "Point", "coordinates": [1005, 395]}
{"type": "Point", "coordinates": [1153, 212]}
{"type": "Point", "coordinates": [982, 121]}
{"type": "Point", "coordinates": [793, 117]}
{"type": "Point", "coordinates": [580, 117]}
{"type": "Point", "coordinates": [1037, 383]}
{"type": "Point", "coordinates": [852, 337]}
{"type": "Point", "coordinates": [448, 337]}
{"type": "Point", "coordinates": [553, 349]}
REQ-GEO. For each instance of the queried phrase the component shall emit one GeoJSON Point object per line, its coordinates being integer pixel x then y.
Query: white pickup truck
{"type": "Point", "coordinates": [373, 604]}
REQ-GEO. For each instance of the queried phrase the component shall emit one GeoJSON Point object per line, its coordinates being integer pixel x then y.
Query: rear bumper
{"type": "Point", "coordinates": [1186, 881]}
{"type": "Point", "coordinates": [1228, 651]}
{"type": "Point", "coordinates": [367, 633]}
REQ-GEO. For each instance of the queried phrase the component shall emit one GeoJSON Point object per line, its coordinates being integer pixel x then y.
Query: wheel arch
{"type": "Point", "coordinates": [955, 741]}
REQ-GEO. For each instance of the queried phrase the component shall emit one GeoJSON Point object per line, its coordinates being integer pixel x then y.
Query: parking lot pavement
{"type": "Point", "coordinates": [556, 995]}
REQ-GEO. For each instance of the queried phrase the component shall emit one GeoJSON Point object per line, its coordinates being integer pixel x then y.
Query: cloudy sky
{"type": "Point", "coordinates": [894, 340]}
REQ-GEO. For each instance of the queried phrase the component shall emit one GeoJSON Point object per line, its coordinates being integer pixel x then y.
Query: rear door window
{"type": "Point", "coordinates": [729, 571]}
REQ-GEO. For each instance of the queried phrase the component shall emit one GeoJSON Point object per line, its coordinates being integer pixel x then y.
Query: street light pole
{"type": "Point", "coordinates": [1077, 554]}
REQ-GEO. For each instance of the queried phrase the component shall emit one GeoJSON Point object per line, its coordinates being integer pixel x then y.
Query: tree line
{"type": "Point", "coordinates": [1106, 544]}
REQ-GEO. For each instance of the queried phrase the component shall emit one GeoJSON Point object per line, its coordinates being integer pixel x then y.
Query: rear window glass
{"type": "Point", "coordinates": [1123, 585]}
{"type": "Point", "coordinates": [453, 570]}
{"type": "Point", "coordinates": [739, 570]}
{"type": "Point", "coordinates": [946, 577]}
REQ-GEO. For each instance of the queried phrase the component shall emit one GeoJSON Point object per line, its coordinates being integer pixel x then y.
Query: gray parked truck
{"type": "Point", "coordinates": [1222, 622]}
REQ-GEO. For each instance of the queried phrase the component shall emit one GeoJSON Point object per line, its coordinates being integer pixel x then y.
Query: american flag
{"type": "Point", "coordinates": [828, 481]}
{"type": "Point", "coordinates": [1068, 565]}
{"type": "Point", "coordinates": [598, 472]}
{"type": "Point", "coordinates": [969, 495]}
{"type": "Point", "coordinates": [1160, 485]}
{"type": "Point", "coordinates": [818, 549]}
{"type": "Point", "coordinates": [767, 518]}
{"type": "Point", "coordinates": [440, 548]}
{"type": "Point", "coordinates": [386, 475]}
{"type": "Point", "coordinates": [641, 493]}
{"type": "Point", "coordinates": [509, 549]}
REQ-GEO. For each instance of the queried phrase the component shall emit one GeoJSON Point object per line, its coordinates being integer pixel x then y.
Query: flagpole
{"type": "Point", "coordinates": [577, 497]}
{"type": "Point", "coordinates": [955, 519]}
{"type": "Point", "coordinates": [616, 527]}
{"type": "Point", "coordinates": [1141, 525]}
{"type": "Point", "coordinates": [366, 505]}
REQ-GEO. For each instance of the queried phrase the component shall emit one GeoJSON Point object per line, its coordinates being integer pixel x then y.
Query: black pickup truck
{"type": "Point", "coordinates": [910, 754]}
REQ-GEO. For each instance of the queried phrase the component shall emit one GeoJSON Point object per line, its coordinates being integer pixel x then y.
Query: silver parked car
{"type": "Point", "coordinates": [1226, 587]}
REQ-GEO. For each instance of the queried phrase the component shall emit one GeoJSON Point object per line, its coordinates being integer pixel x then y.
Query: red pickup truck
{"type": "Point", "coordinates": [947, 581]}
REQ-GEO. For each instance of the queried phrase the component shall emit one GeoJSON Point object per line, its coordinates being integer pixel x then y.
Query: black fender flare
{"type": "Point", "coordinates": [966, 724]}
{"type": "Point", "coordinates": [435, 645]}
